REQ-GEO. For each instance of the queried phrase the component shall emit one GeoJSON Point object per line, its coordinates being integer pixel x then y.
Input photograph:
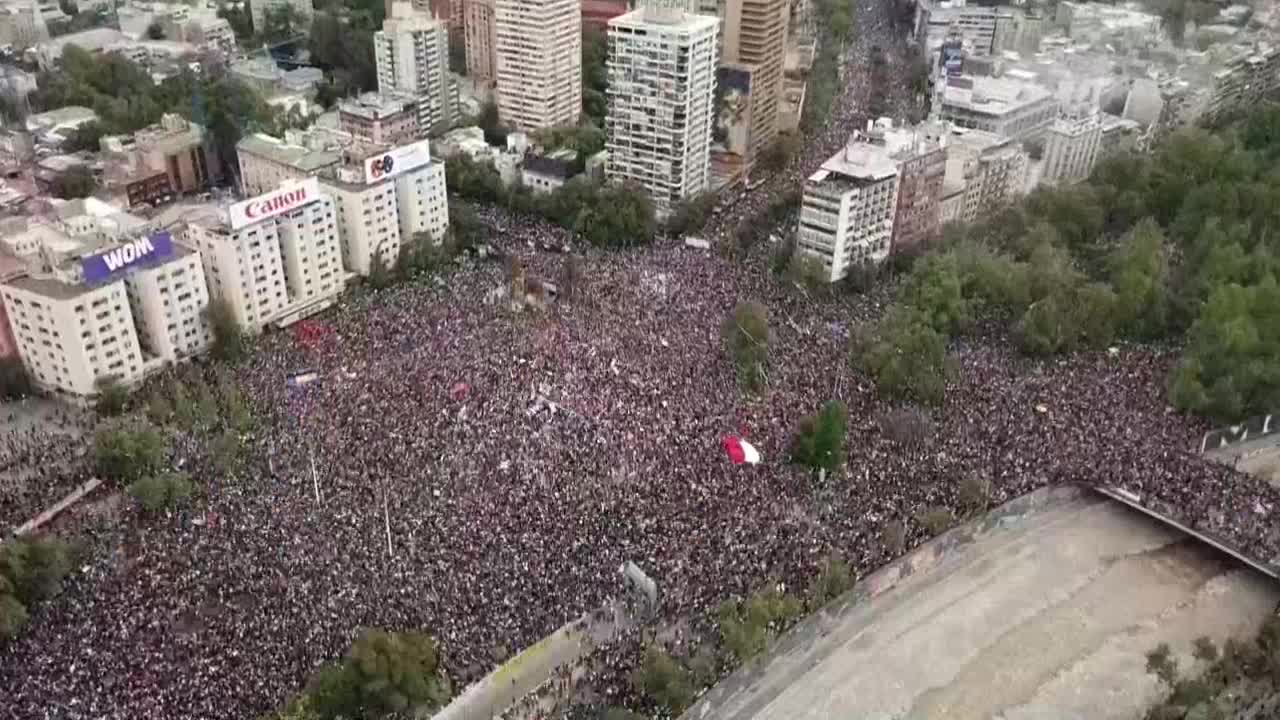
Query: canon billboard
{"type": "Point", "coordinates": [393, 162]}
{"type": "Point", "coordinates": [288, 197]}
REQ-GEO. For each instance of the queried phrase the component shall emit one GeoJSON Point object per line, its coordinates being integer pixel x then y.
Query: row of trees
{"type": "Point", "coordinates": [383, 674]}
{"type": "Point", "coordinates": [31, 570]}
{"type": "Point", "coordinates": [1172, 245]}
{"type": "Point", "coordinates": [746, 627]}
{"type": "Point", "coordinates": [126, 99]}
{"type": "Point", "coordinates": [824, 77]}
{"type": "Point", "coordinates": [605, 215]}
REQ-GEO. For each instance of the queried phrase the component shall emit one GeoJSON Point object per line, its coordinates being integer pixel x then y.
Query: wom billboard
{"type": "Point", "coordinates": [106, 265]}
{"type": "Point", "coordinates": [288, 197]}
{"type": "Point", "coordinates": [393, 162]}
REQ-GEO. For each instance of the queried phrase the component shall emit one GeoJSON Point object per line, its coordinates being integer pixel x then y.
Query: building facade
{"type": "Point", "coordinates": [989, 172]}
{"type": "Point", "coordinates": [170, 304]}
{"type": "Point", "coordinates": [755, 34]}
{"type": "Point", "coordinates": [479, 31]}
{"type": "Point", "coordinates": [848, 208]}
{"type": "Point", "coordinates": [1244, 82]}
{"type": "Point", "coordinates": [274, 258]}
{"type": "Point", "coordinates": [412, 55]}
{"type": "Point", "coordinates": [390, 119]}
{"type": "Point", "coordinates": [917, 218]}
{"type": "Point", "coordinates": [538, 62]}
{"type": "Point", "coordinates": [175, 146]}
{"type": "Point", "coordinates": [266, 162]}
{"type": "Point", "coordinates": [379, 212]}
{"type": "Point", "coordinates": [1071, 147]}
{"type": "Point", "coordinates": [1012, 108]}
{"type": "Point", "coordinates": [662, 76]}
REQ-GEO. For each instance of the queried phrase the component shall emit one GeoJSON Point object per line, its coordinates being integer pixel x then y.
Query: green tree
{"type": "Point", "coordinates": [778, 154]}
{"type": "Point", "coordinates": [75, 182]}
{"type": "Point", "coordinates": [906, 358]}
{"type": "Point", "coordinates": [13, 614]}
{"type": "Point", "coordinates": [230, 344]}
{"type": "Point", "coordinates": [1140, 277]}
{"type": "Point", "coordinates": [86, 137]}
{"type": "Point", "coordinates": [127, 453]}
{"type": "Point", "coordinates": [691, 214]}
{"type": "Point", "coordinates": [746, 336]}
{"type": "Point", "coordinates": [935, 292]}
{"type": "Point", "coordinates": [155, 32]}
{"type": "Point", "coordinates": [1231, 366]}
{"type": "Point", "coordinates": [14, 381]}
{"type": "Point", "coordinates": [161, 492]}
{"type": "Point", "coordinates": [113, 397]}
{"type": "Point", "coordinates": [834, 579]}
{"type": "Point", "coordinates": [35, 567]}
{"type": "Point", "coordinates": [747, 627]}
{"type": "Point", "coordinates": [664, 680]}
{"type": "Point", "coordinates": [819, 443]}
{"type": "Point", "coordinates": [384, 673]}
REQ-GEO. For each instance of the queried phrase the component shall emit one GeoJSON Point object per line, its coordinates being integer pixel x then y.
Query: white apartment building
{"type": "Point", "coordinates": [1071, 147]}
{"type": "Point", "coordinates": [379, 209]}
{"type": "Point", "coordinates": [1014, 108]}
{"type": "Point", "coordinates": [537, 48]}
{"type": "Point", "coordinates": [412, 54]}
{"type": "Point", "coordinates": [96, 307]}
{"type": "Point", "coordinates": [274, 258]}
{"type": "Point", "coordinates": [169, 304]}
{"type": "Point", "coordinates": [662, 77]}
{"type": "Point", "coordinates": [71, 336]}
{"type": "Point", "coordinates": [848, 207]}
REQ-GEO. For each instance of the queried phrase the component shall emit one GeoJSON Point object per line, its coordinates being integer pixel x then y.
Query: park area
{"type": "Point", "coordinates": [425, 458]}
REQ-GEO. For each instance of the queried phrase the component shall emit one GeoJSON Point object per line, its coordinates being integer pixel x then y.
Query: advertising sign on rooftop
{"type": "Point", "coordinates": [953, 58]}
{"type": "Point", "coordinates": [385, 166]}
{"type": "Point", "coordinates": [289, 197]}
{"type": "Point", "coordinates": [109, 264]}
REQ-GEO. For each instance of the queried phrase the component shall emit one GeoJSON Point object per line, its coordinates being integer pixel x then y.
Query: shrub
{"type": "Point", "coordinates": [907, 358]}
{"type": "Point", "coordinates": [1162, 664]}
{"type": "Point", "coordinates": [230, 344]}
{"type": "Point", "coordinates": [664, 681]}
{"type": "Point", "coordinates": [975, 494]}
{"type": "Point", "coordinates": [1205, 649]}
{"type": "Point", "coordinates": [834, 579]}
{"type": "Point", "coordinates": [747, 627]}
{"type": "Point", "coordinates": [893, 534]}
{"type": "Point", "coordinates": [161, 492]}
{"type": "Point", "coordinates": [746, 335]}
{"type": "Point", "coordinates": [819, 442]}
{"type": "Point", "coordinates": [936, 520]}
{"type": "Point", "coordinates": [126, 455]}
{"type": "Point", "coordinates": [112, 396]}
{"type": "Point", "coordinates": [383, 673]}
{"type": "Point", "coordinates": [35, 567]}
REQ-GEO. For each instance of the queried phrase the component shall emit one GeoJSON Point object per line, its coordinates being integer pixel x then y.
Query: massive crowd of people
{"type": "Point", "coordinates": [482, 474]}
{"type": "Point", "coordinates": [41, 459]}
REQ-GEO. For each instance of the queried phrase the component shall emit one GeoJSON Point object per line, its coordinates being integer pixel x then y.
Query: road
{"type": "Point", "coordinates": [1044, 615]}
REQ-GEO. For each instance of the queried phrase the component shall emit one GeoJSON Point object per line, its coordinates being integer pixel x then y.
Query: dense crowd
{"type": "Point", "coordinates": [482, 474]}
{"type": "Point", "coordinates": [40, 461]}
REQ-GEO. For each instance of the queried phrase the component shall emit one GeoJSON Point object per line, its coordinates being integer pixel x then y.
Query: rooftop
{"type": "Point", "coordinates": [372, 105]}
{"type": "Point", "coordinates": [297, 156]}
{"type": "Point", "coordinates": [670, 20]}
{"type": "Point", "coordinates": [859, 160]}
{"type": "Point", "coordinates": [69, 115]}
{"type": "Point", "coordinates": [49, 287]}
{"type": "Point", "coordinates": [992, 96]}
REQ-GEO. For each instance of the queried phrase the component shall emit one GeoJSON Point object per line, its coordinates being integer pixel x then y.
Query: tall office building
{"type": "Point", "coordinates": [412, 52]}
{"type": "Point", "coordinates": [481, 63]}
{"type": "Point", "coordinates": [662, 77]}
{"type": "Point", "coordinates": [538, 52]}
{"type": "Point", "coordinates": [755, 34]}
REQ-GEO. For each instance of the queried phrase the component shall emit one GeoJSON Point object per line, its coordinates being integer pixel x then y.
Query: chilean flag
{"type": "Point", "coordinates": [740, 451]}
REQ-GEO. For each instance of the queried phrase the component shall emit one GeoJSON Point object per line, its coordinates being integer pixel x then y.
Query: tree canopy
{"type": "Point", "coordinates": [1177, 244]}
